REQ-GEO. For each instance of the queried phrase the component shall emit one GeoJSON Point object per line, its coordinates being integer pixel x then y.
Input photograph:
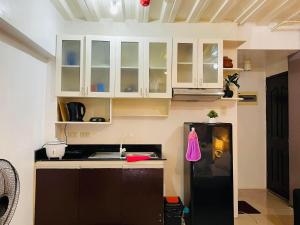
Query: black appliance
{"type": "Point", "coordinates": [76, 111]}
{"type": "Point", "coordinates": [208, 183]}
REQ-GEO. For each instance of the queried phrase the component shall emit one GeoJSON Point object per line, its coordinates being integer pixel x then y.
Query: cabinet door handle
{"type": "Point", "coordinates": [87, 91]}
{"type": "Point", "coordinates": [141, 91]}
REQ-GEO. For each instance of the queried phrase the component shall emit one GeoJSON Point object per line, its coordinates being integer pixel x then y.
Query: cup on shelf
{"type": "Point", "coordinates": [101, 87]}
{"type": "Point", "coordinates": [71, 58]}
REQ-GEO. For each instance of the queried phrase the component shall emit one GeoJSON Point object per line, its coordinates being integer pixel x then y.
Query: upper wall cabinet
{"type": "Point", "coordinates": [100, 66]}
{"type": "Point", "coordinates": [157, 67]}
{"type": "Point", "coordinates": [69, 66]}
{"type": "Point", "coordinates": [197, 64]}
{"type": "Point", "coordinates": [129, 67]}
{"type": "Point", "coordinates": [184, 63]}
{"type": "Point", "coordinates": [210, 61]}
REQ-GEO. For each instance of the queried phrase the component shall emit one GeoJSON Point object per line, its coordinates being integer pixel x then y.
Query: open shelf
{"type": "Point", "coordinates": [233, 69]}
{"type": "Point", "coordinates": [141, 107]}
{"type": "Point", "coordinates": [231, 99]}
{"type": "Point", "coordinates": [82, 123]}
{"type": "Point", "coordinates": [233, 43]}
{"type": "Point", "coordinates": [95, 107]}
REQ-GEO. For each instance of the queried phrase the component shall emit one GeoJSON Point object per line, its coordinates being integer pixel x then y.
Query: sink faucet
{"type": "Point", "coordinates": [122, 151]}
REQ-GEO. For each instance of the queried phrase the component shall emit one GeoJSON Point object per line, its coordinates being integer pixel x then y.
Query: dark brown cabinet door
{"type": "Point", "coordinates": [142, 197]}
{"type": "Point", "coordinates": [100, 196]}
{"type": "Point", "coordinates": [278, 135]}
{"type": "Point", "coordinates": [56, 197]}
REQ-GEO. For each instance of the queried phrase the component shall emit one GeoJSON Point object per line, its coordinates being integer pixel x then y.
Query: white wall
{"type": "Point", "coordinates": [37, 19]}
{"type": "Point", "coordinates": [261, 37]}
{"type": "Point", "coordinates": [252, 133]}
{"type": "Point", "coordinates": [22, 97]}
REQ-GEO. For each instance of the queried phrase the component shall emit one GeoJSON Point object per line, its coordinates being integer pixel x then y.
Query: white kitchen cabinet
{"type": "Point", "coordinates": [100, 66]}
{"type": "Point", "coordinates": [129, 67]}
{"type": "Point", "coordinates": [197, 63]}
{"type": "Point", "coordinates": [210, 61]}
{"type": "Point", "coordinates": [69, 66]}
{"type": "Point", "coordinates": [184, 63]}
{"type": "Point", "coordinates": [157, 68]}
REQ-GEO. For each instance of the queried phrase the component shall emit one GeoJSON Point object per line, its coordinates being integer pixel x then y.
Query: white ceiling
{"type": "Point", "coordinates": [283, 14]}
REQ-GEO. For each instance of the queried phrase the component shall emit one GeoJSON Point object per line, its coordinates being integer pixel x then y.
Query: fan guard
{"type": "Point", "coordinates": [9, 191]}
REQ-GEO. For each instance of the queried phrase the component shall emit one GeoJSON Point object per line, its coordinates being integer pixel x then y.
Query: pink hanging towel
{"type": "Point", "coordinates": [193, 152]}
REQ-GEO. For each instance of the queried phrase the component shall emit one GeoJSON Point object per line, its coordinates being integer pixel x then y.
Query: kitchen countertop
{"type": "Point", "coordinates": [77, 157]}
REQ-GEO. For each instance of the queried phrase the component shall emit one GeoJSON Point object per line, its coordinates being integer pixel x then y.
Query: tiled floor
{"type": "Point", "coordinates": [274, 211]}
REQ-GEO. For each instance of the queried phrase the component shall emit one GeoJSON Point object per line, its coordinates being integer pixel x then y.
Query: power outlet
{"type": "Point", "coordinates": [84, 134]}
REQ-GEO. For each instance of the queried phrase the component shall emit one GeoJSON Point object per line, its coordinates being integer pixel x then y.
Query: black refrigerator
{"type": "Point", "coordinates": [208, 183]}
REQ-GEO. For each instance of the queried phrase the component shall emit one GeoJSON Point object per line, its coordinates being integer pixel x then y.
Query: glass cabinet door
{"type": "Point", "coordinates": [100, 66]}
{"type": "Point", "coordinates": [158, 68]}
{"type": "Point", "coordinates": [129, 82]}
{"type": "Point", "coordinates": [210, 75]}
{"type": "Point", "coordinates": [69, 66]}
{"type": "Point", "coordinates": [185, 63]}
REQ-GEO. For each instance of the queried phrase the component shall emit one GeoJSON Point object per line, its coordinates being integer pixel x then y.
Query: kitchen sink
{"type": "Point", "coordinates": [152, 155]}
{"type": "Point", "coordinates": [105, 155]}
{"type": "Point", "coordinates": [116, 155]}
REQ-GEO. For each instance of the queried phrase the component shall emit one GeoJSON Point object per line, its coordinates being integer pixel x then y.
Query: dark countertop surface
{"type": "Point", "coordinates": [83, 152]}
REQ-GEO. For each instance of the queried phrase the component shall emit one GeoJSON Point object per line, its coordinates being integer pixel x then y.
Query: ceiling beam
{"type": "Point", "coordinates": [169, 10]}
{"type": "Point", "coordinates": [273, 13]}
{"type": "Point", "coordinates": [85, 10]}
{"type": "Point", "coordinates": [166, 10]}
{"type": "Point", "coordinates": [143, 13]}
{"type": "Point", "coordinates": [93, 7]}
{"type": "Point", "coordinates": [286, 20]}
{"type": "Point", "coordinates": [123, 10]}
{"type": "Point", "coordinates": [245, 11]}
{"type": "Point", "coordinates": [223, 6]}
{"type": "Point", "coordinates": [174, 10]}
{"type": "Point", "coordinates": [252, 12]}
{"type": "Point", "coordinates": [197, 10]}
{"type": "Point", "coordinates": [64, 9]}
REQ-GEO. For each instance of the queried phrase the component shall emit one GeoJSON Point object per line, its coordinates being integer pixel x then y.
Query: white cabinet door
{"type": "Point", "coordinates": [100, 66]}
{"type": "Point", "coordinates": [184, 63]}
{"type": "Point", "coordinates": [210, 70]}
{"type": "Point", "coordinates": [157, 67]}
{"type": "Point", "coordinates": [129, 68]}
{"type": "Point", "coordinates": [69, 66]}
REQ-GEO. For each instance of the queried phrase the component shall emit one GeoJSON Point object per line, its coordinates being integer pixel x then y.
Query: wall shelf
{"type": "Point", "coordinates": [95, 107]}
{"type": "Point", "coordinates": [231, 99]}
{"type": "Point", "coordinates": [233, 69]}
{"type": "Point", "coordinates": [82, 123]}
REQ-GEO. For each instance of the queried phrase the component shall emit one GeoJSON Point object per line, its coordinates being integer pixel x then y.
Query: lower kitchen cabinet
{"type": "Point", "coordinates": [99, 197]}
{"type": "Point", "coordinates": [142, 197]}
{"type": "Point", "coordinates": [56, 199]}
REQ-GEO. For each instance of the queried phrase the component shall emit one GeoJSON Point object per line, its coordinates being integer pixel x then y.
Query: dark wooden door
{"type": "Point", "coordinates": [277, 135]}
{"type": "Point", "coordinates": [142, 197]}
{"type": "Point", "coordinates": [100, 196]}
{"type": "Point", "coordinates": [56, 197]}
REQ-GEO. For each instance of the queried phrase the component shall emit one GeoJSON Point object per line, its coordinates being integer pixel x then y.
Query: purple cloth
{"type": "Point", "coordinates": [193, 152]}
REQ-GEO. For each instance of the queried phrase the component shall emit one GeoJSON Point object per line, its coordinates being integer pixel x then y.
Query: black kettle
{"type": "Point", "coordinates": [76, 111]}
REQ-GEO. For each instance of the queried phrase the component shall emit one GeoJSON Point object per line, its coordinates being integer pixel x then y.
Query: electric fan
{"type": "Point", "coordinates": [9, 191]}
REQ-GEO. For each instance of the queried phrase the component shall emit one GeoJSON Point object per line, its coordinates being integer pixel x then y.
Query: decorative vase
{"type": "Point", "coordinates": [212, 120]}
{"type": "Point", "coordinates": [227, 92]}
